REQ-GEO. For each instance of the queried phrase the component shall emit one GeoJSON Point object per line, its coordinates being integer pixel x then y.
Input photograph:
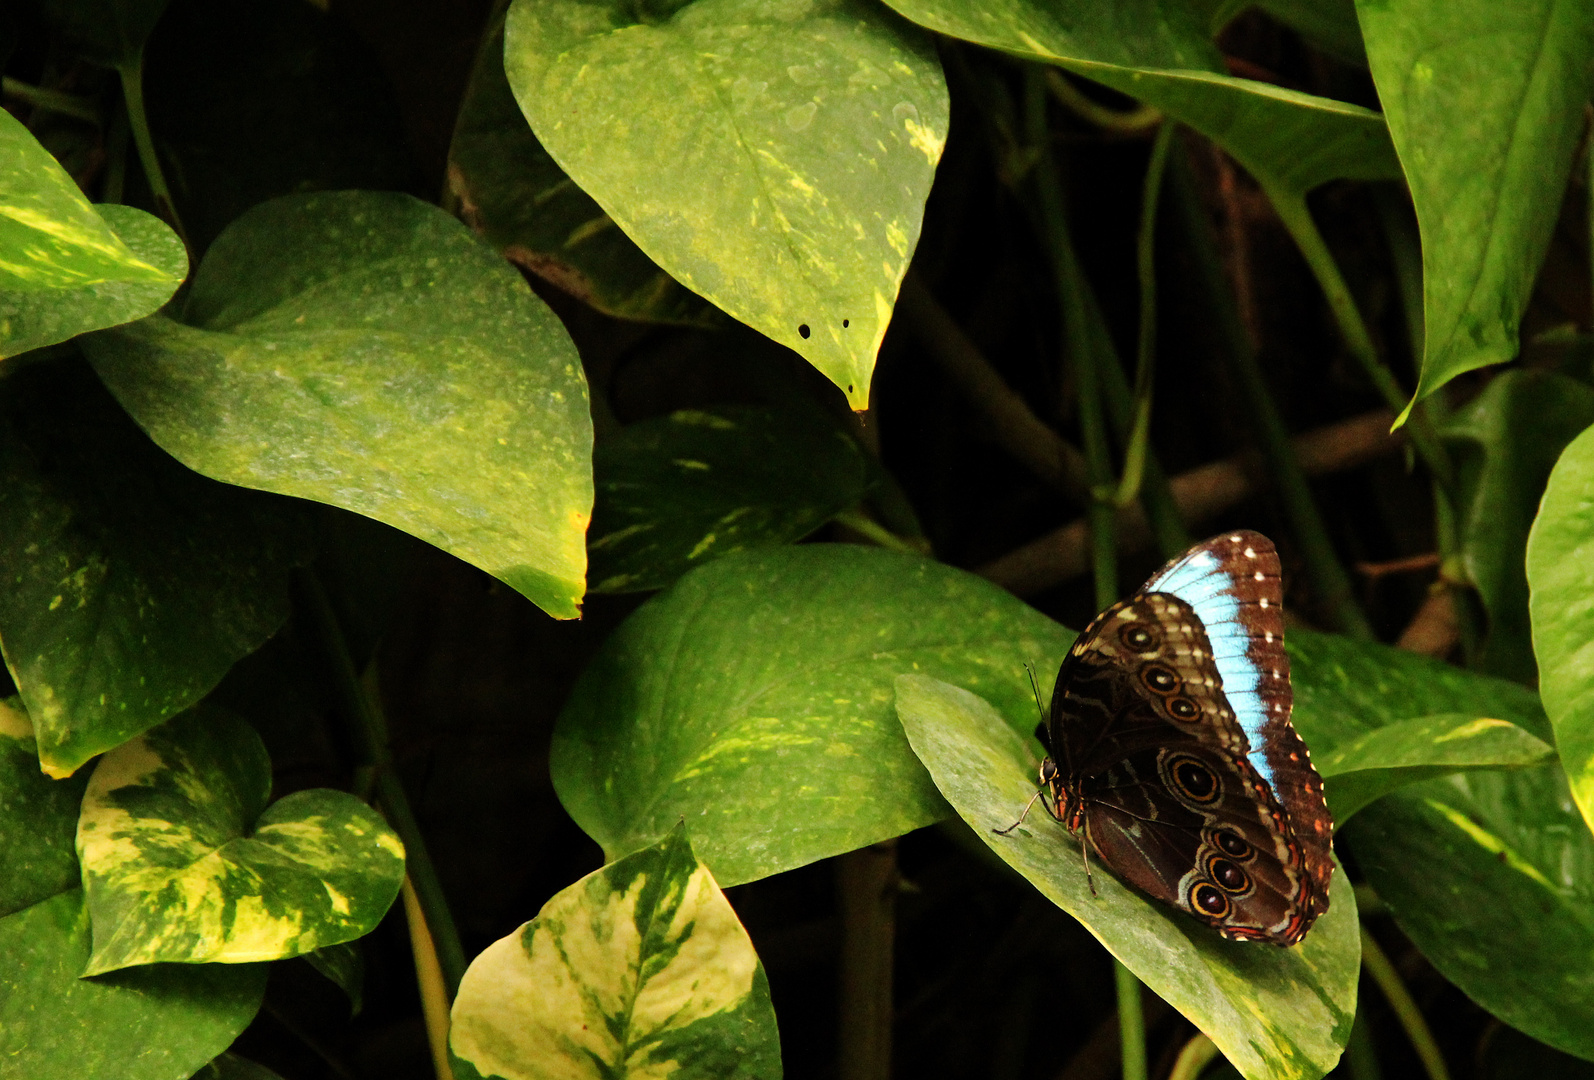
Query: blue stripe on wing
{"type": "Point", "coordinates": [1200, 581]}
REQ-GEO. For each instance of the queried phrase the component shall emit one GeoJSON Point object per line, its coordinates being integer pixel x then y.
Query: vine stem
{"type": "Point", "coordinates": [429, 974]}
{"type": "Point", "coordinates": [871, 530]}
{"type": "Point", "coordinates": [1377, 965]}
{"type": "Point", "coordinates": [1131, 1022]}
{"type": "Point", "coordinates": [360, 702]}
{"type": "Point", "coordinates": [1194, 1056]}
{"type": "Point", "coordinates": [133, 95]}
{"type": "Point", "coordinates": [866, 886]}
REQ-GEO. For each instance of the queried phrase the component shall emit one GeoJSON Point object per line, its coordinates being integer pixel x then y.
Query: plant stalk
{"type": "Point", "coordinates": [866, 884]}
{"type": "Point", "coordinates": [138, 119]}
{"type": "Point", "coordinates": [1131, 1022]}
{"type": "Point", "coordinates": [1194, 1056]}
{"type": "Point", "coordinates": [429, 974]}
{"type": "Point", "coordinates": [1378, 967]}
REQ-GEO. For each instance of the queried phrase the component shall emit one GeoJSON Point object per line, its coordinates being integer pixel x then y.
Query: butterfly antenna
{"type": "Point", "coordinates": [1084, 853]}
{"type": "Point", "coordinates": [1035, 688]}
{"type": "Point", "coordinates": [1021, 817]}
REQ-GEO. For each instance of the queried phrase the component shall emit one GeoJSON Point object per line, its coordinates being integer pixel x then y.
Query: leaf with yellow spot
{"type": "Point", "coordinates": [184, 861]}
{"type": "Point", "coordinates": [132, 584]}
{"type": "Point", "coordinates": [67, 267]}
{"type": "Point", "coordinates": [640, 969]}
{"type": "Point", "coordinates": [363, 349]}
{"type": "Point", "coordinates": [797, 140]}
{"type": "Point", "coordinates": [1491, 875]}
{"type": "Point", "coordinates": [1275, 1013]}
{"type": "Point", "coordinates": [679, 489]}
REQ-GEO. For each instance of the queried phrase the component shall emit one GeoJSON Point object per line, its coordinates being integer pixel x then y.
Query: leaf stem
{"type": "Point", "coordinates": [1378, 967]}
{"type": "Point", "coordinates": [1329, 578]}
{"type": "Point", "coordinates": [867, 527]}
{"type": "Point", "coordinates": [1131, 1022]}
{"type": "Point", "coordinates": [360, 704]}
{"type": "Point", "coordinates": [1129, 122]}
{"type": "Point", "coordinates": [1194, 1056]}
{"type": "Point", "coordinates": [133, 95]}
{"type": "Point", "coordinates": [866, 885]}
{"type": "Point", "coordinates": [429, 974]}
{"type": "Point", "coordinates": [56, 101]}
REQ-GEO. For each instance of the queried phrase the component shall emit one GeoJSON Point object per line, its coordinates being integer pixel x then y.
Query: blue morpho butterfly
{"type": "Point", "coordinates": [1170, 745]}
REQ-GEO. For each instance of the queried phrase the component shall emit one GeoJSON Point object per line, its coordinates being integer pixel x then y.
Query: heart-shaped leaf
{"type": "Point", "coordinates": [754, 699]}
{"type": "Point", "coordinates": [783, 177]}
{"type": "Point", "coordinates": [132, 584]}
{"type": "Point", "coordinates": [183, 860]}
{"type": "Point", "coordinates": [1462, 83]}
{"type": "Point", "coordinates": [1369, 767]}
{"type": "Point", "coordinates": [1491, 874]}
{"type": "Point", "coordinates": [1275, 1013]}
{"type": "Point", "coordinates": [67, 267]}
{"type": "Point", "coordinates": [363, 349]}
{"type": "Point", "coordinates": [678, 490]}
{"type": "Point", "coordinates": [638, 969]}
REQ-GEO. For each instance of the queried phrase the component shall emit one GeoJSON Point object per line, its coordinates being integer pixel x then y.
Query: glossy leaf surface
{"type": "Point", "coordinates": [67, 267]}
{"type": "Point", "coordinates": [638, 969]}
{"type": "Point", "coordinates": [1491, 874]}
{"type": "Point", "coordinates": [511, 192]}
{"type": "Point", "coordinates": [363, 349]}
{"type": "Point", "coordinates": [1275, 1013]}
{"type": "Point", "coordinates": [38, 818]}
{"type": "Point", "coordinates": [183, 860]}
{"type": "Point", "coordinates": [1485, 105]}
{"type": "Point", "coordinates": [155, 1023]}
{"type": "Point", "coordinates": [679, 490]}
{"type": "Point", "coordinates": [754, 699]}
{"type": "Point", "coordinates": [132, 584]}
{"type": "Point", "coordinates": [783, 177]}
{"type": "Point", "coordinates": [1158, 51]}
{"type": "Point", "coordinates": [1560, 564]}
{"type": "Point", "coordinates": [1509, 438]}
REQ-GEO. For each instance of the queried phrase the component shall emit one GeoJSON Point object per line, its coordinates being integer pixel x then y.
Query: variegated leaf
{"type": "Point", "coordinates": [181, 864]}
{"type": "Point", "coordinates": [638, 970]}
{"type": "Point", "coordinates": [37, 818]}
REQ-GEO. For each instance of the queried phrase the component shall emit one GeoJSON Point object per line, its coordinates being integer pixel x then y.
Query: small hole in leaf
{"type": "Point", "coordinates": [803, 330]}
{"type": "Point", "coordinates": [846, 323]}
{"type": "Point", "coordinates": [849, 388]}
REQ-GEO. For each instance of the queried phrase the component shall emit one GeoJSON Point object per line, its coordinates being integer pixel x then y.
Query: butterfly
{"type": "Point", "coordinates": [1169, 747]}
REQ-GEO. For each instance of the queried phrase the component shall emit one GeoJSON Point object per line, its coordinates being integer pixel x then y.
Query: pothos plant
{"type": "Point", "coordinates": [236, 341]}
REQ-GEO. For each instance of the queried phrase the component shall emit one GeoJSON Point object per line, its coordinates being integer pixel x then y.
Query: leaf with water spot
{"type": "Point", "coordinates": [1275, 1013]}
{"type": "Point", "coordinates": [677, 491]}
{"type": "Point", "coordinates": [639, 969]}
{"type": "Point", "coordinates": [67, 267]}
{"type": "Point", "coordinates": [153, 1023]}
{"type": "Point", "coordinates": [782, 175]}
{"type": "Point", "coordinates": [183, 859]}
{"type": "Point", "coordinates": [363, 349]}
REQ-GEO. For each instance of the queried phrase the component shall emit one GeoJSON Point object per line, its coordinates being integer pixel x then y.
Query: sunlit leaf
{"type": "Point", "coordinates": [1491, 874]}
{"type": "Point", "coordinates": [1275, 1013]}
{"type": "Point", "coordinates": [511, 192]}
{"type": "Point", "coordinates": [754, 699]}
{"type": "Point", "coordinates": [183, 860]}
{"type": "Point", "coordinates": [638, 969]}
{"type": "Point", "coordinates": [363, 349]}
{"type": "Point", "coordinates": [156, 1023]}
{"type": "Point", "coordinates": [1560, 564]}
{"type": "Point", "coordinates": [679, 490]}
{"type": "Point", "coordinates": [1485, 105]}
{"type": "Point", "coordinates": [132, 584]}
{"type": "Point", "coordinates": [781, 175]}
{"type": "Point", "coordinates": [67, 267]}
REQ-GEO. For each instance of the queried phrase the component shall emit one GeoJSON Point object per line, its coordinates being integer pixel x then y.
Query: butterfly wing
{"type": "Point", "coordinates": [1163, 760]}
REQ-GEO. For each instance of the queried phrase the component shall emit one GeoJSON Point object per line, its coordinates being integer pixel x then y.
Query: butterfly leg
{"type": "Point", "coordinates": [1084, 853]}
{"type": "Point", "coordinates": [1021, 817]}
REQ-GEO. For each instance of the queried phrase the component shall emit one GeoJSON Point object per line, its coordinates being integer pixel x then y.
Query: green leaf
{"type": "Point", "coordinates": [754, 699]}
{"type": "Point", "coordinates": [180, 863]}
{"type": "Point", "coordinates": [111, 33]}
{"type": "Point", "coordinates": [132, 584]}
{"type": "Point", "coordinates": [1485, 105]}
{"type": "Point", "coordinates": [1507, 440]}
{"type": "Point", "coordinates": [1560, 563]}
{"type": "Point", "coordinates": [1331, 25]}
{"type": "Point", "coordinates": [773, 160]}
{"type": "Point", "coordinates": [64, 268]}
{"type": "Point", "coordinates": [1275, 1013]}
{"type": "Point", "coordinates": [38, 818]}
{"type": "Point", "coordinates": [1491, 874]}
{"type": "Point", "coordinates": [1406, 751]}
{"type": "Point", "coordinates": [363, 349]}
{"type": "Point", "coordinates": [638, 969]}
{"type": "Point", "coordinates": [518, 199]}
{"type": "Point", "coordinates": [156, 1023]}
{"type": "Point", "coordinates": [1157, 51]}
{"type": "Point", "coordinates": [344, 965]}
{"type": "Point", "coordinates": [681, 489]}
{"type": "Point", "coordinates": [230, 1066]}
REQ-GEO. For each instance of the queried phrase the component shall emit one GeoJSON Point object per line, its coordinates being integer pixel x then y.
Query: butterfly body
{"type": "Point", "coordinates": [1172, 752]}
